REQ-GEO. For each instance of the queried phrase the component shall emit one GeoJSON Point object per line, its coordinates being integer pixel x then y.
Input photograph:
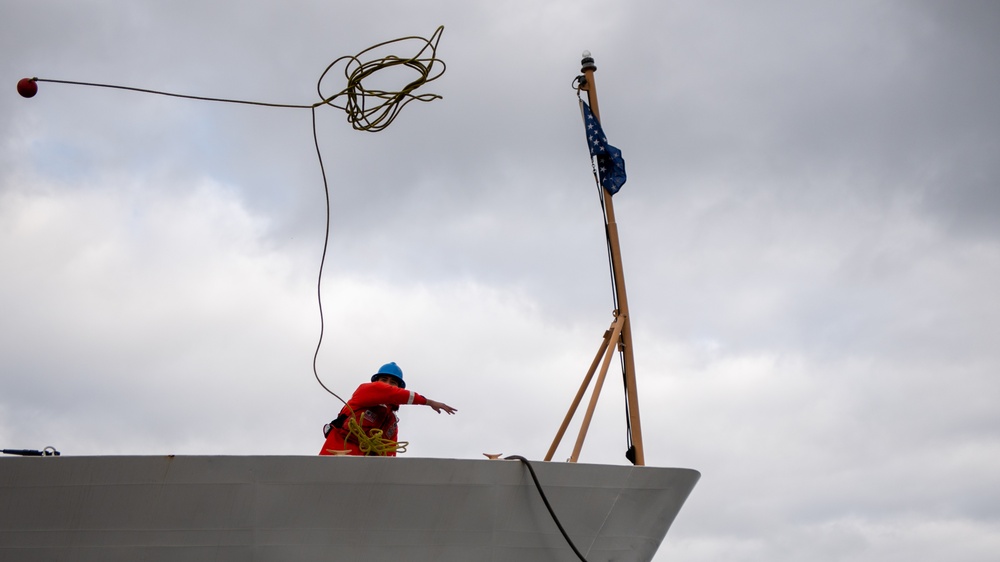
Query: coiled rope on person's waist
{"type": "Point", "coordinates": [373, 442]}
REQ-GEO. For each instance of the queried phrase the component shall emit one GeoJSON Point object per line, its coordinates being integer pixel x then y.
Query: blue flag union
{"type": "Point", "coordinates": [610, 164]}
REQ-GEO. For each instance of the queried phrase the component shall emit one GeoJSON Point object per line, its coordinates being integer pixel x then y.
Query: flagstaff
{"type": "Point", "coordinates": [619, 334]}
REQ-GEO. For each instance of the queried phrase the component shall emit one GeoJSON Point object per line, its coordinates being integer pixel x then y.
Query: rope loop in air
{"type": "Point", "coordinates": [372, 109]}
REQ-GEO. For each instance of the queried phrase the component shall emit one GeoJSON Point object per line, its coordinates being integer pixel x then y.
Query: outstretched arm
{"type": "Point", "coordinates": [372, 393]}
{"type": "Point", "coordinates": [441, 406]}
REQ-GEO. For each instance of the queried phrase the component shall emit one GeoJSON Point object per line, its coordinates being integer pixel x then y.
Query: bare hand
{"type": "Point", "coordinates": [440, 406]}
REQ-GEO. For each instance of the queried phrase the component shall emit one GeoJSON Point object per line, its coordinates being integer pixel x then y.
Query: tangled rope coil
{"type": "Point", "coordinates": [378, 117]}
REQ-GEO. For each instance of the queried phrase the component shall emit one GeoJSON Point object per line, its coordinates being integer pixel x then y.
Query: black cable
{"type": "Point", "coordinates": [322, 260]}
{"type": "Point", "coordinates": [173, 95]}
{"type": "Point", "coordinates": [629, 454]}
{"type": "Point", "coordinates": [46, 452]}
{"type": "Point", "coordinates": [547, 505]}
{"type": "Point", "coordinates": [359, 115]}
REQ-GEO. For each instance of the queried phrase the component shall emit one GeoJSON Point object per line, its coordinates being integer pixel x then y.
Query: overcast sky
{"type": "Point", "coordinates": [810, 234]}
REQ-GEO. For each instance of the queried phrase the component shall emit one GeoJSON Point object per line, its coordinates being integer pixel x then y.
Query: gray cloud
{"type": "Point", "coordinates": [807, 230]}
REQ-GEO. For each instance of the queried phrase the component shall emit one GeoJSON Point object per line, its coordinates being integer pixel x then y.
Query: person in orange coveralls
{"type": "Point", "coordinates": [373, 406]}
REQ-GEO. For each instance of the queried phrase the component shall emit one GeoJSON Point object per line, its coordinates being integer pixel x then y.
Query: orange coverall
{"type": "Point", "coordinates": [374, 405]}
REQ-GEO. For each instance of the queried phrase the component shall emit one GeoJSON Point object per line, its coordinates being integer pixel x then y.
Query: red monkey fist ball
{"type": "Point", "coordinates": [27, 87]}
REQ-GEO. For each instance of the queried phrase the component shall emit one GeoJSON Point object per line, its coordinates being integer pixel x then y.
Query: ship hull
{"type": "Point", "coordinates": [289, 509]}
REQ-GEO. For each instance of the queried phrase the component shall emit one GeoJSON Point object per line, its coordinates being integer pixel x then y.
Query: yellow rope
{"type": "Point", "coordinates": [371, 109]}
{"type": "Point", "coordinates": [374, 442]}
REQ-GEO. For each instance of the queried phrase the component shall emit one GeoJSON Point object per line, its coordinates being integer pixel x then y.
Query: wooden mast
{"type": "Point", "coordinates": [620, 332]}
